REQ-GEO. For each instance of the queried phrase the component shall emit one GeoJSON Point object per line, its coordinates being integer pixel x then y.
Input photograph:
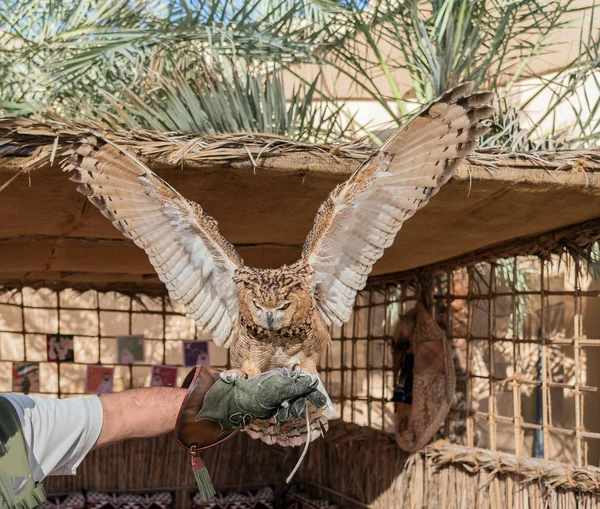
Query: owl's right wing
{"type": "Point", "coordinates": [183, 243]}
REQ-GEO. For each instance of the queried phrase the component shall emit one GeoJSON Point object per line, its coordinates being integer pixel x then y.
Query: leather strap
{"type": "Point", "coordinates": [198, 434]}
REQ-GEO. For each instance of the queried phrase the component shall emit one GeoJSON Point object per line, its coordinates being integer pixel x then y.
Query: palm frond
{"type": "Point", "coordinates": [211, 66]}
{"type": "Point", "coordinates": [65, 53]}
{"type": "Point", "coordinates": [226, 96]}
{"type": "Point", "coordinates": [508, 133]}
{"type": "Point", "coordinates": [574, 89]}
{"type": "Point", "coordinates": [442, 42]}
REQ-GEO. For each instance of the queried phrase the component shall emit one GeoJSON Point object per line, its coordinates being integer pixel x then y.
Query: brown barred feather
{"type": "Point", "coordinates": [182, 242]}
{"type": "Point", "coordinates": [362, 216]}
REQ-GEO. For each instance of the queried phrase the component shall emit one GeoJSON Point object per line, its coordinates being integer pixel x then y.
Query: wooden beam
{"type": "Point", "coordinates": [49, 228]}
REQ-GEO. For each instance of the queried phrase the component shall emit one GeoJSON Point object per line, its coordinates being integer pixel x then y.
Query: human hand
{"type": "Point", "coordinates": [236, 401]}
{"type": "Point", "coordinates": [279, 393]}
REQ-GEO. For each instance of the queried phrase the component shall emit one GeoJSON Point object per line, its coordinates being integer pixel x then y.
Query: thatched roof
{"type": "Point", "coordinates": [264, 192]}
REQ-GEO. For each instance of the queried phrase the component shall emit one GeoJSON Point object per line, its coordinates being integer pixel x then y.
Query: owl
{"type": "Point", "coordinates": [280, 318]}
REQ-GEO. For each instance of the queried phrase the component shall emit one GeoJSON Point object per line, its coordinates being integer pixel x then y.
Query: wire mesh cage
{"type": "Point", "coordinates": [524, 332]}
{"type": "Point", "coordinates": [523, 329]}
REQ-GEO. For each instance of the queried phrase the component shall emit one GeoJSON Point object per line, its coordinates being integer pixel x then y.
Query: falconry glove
{"type": "Point", "coordinates": [236, 402]}
{"type": "Point", "coordinates": [216, 407]}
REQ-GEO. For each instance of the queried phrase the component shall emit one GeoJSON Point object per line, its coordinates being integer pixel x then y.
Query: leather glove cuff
{"type": "Point", "coordinates": [196, 433]}
{"type": "Point", "coordinates": [214, 409]}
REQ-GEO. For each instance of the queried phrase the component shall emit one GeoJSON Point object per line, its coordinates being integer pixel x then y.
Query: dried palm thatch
{"type": "Point", "coordinates": [442, 475]}
{"type": "Point", "coordinates": [40, 142]}
{"type": "Point", "coordinates": [577, 240]}
{"type": "Point", "coordinates": [276, 186]}
{"type": "Point", "coordinates": [549, 473]}
{"type": "Point", "coordinates": [43, 141]}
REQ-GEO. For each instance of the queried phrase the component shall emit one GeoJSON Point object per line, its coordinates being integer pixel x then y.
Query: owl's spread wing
{"type": "Point", "coordinates": [183, 243]}
{"type": "Point", "coordinates": [362, 216]}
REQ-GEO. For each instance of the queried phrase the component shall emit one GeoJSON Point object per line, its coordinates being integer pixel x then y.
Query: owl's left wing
{"type": "Point", "coordinates": [362, 216]}
{"type": "Point", "coordinates": [182, 242]}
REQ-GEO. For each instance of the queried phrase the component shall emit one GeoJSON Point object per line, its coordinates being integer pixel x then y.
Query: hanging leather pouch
{"type": "Point", "coordinates": [425, 379]}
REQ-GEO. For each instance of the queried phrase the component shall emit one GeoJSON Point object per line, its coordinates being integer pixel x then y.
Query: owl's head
{"type": "Point", "coordinates": [275, 299]}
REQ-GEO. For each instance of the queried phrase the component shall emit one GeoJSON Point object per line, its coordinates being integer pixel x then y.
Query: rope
{"type": "Point", "coordinates": [302, 456]}
{"type": "Point", "coordinates": [511, 379]}
{"type": "Point", "coordinates": [595, 479]}
{"type": "Point", "coordinates": [570, 481]}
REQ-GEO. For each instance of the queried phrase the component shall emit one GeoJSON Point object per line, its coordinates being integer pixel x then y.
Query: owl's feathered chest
{"type": "Point", "coordinates": [298, 331]}
{"type": "Point", "coordinates": [257, 349]}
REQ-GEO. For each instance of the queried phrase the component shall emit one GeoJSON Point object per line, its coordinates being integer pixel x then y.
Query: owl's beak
{"type": "Point", "coordinates": [270, 319]}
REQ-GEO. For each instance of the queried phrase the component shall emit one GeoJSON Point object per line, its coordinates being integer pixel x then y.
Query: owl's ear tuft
{"type": "Point", "coordinates": [302, 270]}
{"type": "Point", "coordinates": [245, 276]}
{"type": "Point", "coordinates": [305, 277]}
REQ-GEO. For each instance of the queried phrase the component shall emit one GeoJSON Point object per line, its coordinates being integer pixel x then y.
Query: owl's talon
{"type": "Point", "coordinates": [228, 377]}
{"type": "Point", "coordinates": [232, 375]}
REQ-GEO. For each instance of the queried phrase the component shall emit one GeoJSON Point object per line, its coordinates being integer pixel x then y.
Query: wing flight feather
{"type": "Point", "coordinates": [182, 242]}
{"type": "Point", "coordinates": [362, 216]}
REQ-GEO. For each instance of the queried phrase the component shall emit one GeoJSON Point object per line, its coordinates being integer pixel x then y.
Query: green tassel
{"type": "Point", "coordinates": [205, 485]}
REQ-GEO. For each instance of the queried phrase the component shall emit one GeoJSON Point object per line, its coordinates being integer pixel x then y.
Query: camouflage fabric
{"type": "Point", "coordinates": [18, 489]}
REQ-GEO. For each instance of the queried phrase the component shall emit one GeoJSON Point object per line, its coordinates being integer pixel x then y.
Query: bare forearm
{"type": "Point", "coordinates": [139, 413]}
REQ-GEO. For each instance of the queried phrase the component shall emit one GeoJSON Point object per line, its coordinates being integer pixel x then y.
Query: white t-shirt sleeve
{"type": "Point", "coordinates": [59, 432]}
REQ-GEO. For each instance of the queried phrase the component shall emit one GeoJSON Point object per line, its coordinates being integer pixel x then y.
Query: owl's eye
{"type": "Point", "coordinates": [285, 305]}
{"type": "Point", "coordinates": [255, 304]}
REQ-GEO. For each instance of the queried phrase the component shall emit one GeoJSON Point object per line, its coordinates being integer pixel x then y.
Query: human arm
{"type": "Point", "coordinates": [139, 413]}
{"type": "Point", "coordinates": [59, 433]}
{"type": "Point", "coordinates": [153, 411]}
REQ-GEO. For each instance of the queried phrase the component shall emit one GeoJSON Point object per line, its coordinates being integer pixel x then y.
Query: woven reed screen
{"type": "Point", "coordinates": [95, 320]}
{"type": "Point", "coordinates": [525, 334]}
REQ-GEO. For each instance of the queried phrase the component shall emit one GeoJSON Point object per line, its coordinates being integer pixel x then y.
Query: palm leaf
{"type": "Point", "coordinates": [443, 42]}
{"type": "Point", "coordinates": [61, 54]}
{"type": "Point", "coordinates": [227, 97]}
